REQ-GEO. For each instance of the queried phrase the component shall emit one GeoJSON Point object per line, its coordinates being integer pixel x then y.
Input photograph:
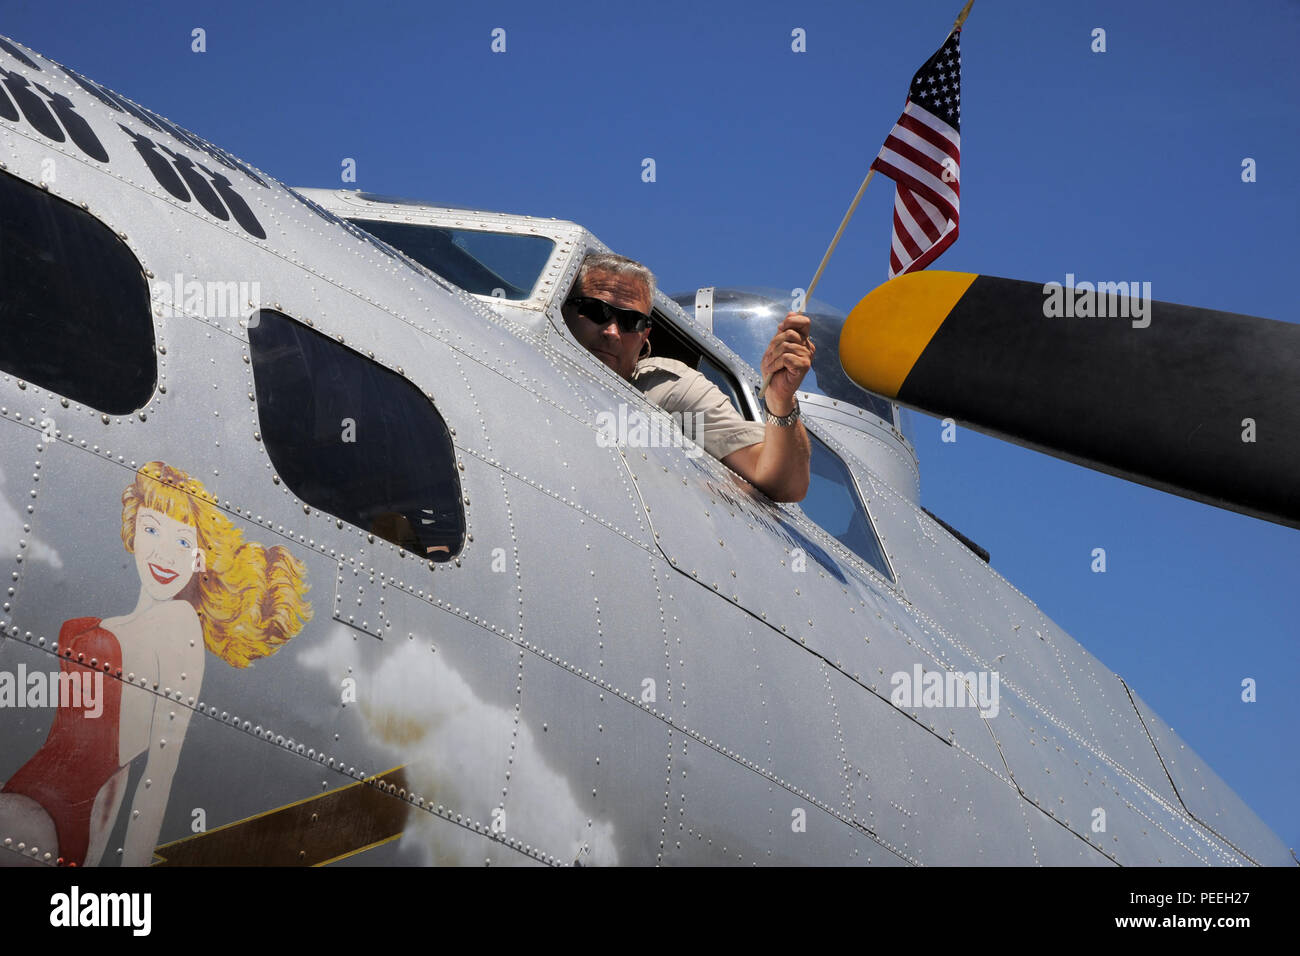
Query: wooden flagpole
{"type": "Point", "coordinates": [807, 297]}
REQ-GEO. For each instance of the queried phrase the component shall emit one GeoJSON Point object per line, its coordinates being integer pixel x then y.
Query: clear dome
{"type": "Point", "coordinates": [746, 318]}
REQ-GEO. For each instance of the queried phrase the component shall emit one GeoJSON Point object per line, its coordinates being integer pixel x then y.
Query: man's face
{"type": "Point", "coordinates": [616, 348]}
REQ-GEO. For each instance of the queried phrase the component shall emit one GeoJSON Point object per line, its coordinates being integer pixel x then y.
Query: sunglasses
{"type": "Point", "coordinates": [602, 313]}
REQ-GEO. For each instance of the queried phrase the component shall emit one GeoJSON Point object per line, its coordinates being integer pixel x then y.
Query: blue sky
{"type": "Point", "coordinates": [1123, 165]}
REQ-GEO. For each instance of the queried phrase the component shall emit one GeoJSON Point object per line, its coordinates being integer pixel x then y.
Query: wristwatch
{"type": "Point", "coordinates": [785, 421]}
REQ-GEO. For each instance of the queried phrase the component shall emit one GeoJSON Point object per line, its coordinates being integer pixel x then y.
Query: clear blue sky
{"type": "Point", "coordinates": [1117, 165]}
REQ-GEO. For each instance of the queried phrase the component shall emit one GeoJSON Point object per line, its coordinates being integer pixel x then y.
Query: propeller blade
{"type": "Point", "coordinates": [1200, 403]}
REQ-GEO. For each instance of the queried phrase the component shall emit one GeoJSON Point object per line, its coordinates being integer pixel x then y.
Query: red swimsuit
{"type": "Point", "coordinates": [80, 753]}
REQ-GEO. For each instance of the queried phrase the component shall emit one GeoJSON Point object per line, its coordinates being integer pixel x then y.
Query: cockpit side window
{"type": "Point", "coordinates": [355, 439]}
{"type": "Point", "coordinates": [834, 503]}
{"type": "Point", "coordinates": [725, 381]}
{"type": "Point", "coordinates": [497, 264]}
{"type": "Point", "coordinates": [667, 342]}
{"type": "Point", "coordinates": [74, 303]}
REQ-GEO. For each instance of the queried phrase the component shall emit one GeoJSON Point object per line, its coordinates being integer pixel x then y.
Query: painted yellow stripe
{"type": "Point", "coordinates": [363, 849]}
{"type": "Point", "coordinates": [888, 330]}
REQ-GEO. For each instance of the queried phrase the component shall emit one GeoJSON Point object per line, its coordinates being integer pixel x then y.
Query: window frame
{"type": "Point", "coordinates": [332, 346]}
{"type": "Point", "coordinates": [361, 221]}
{"type": "Point", "coordinates": [668, 316]}
{"type": "Point", "coordinates": [129, 347]}
{"type": "Point", "coordinates": [855, 491]}
{"type": "Point", "coordinates": [352, 205]}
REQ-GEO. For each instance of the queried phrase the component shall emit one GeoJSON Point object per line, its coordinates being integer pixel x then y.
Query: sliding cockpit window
{"type": "Point", "coordinates": [833, 502]}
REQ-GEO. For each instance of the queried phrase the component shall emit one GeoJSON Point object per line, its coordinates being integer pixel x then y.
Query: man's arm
{"type": "Point", "coordinates": [779, 464]}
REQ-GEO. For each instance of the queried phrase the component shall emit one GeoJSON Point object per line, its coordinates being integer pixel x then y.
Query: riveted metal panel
{"type": "Point", "coordinates": [604, 598]}
{"type": "Point", "coordinates": [723, 813]}
{"type": "Point", "coordinates": [750, 552]}
{"type": "Point", "coordinates": [79, 518]}
{"type": "Point", "coordinates": [927, 801]}
{"type": "Point", "coordinates": [21, 546]}
{"type": "Point", "coordinates": [1208, 799]}
{"type": "Point", "coordinates": [558, 455]}
{"type": "Point", "coordinates": [1111, 725]}
{"type": "Point", "coordinates": [894, 642]}
{"type": "Point", "coordinates": [1055, 845]}
{"type": "Point", "coordinates": [252, 700]}
{"type": "Point", "coordinates": [1000, 630]}
{"type": "Point", "coordinates": [754, 695]}
{"type": "Point", "coordinates": [587, 783]}
{"type": "Point", "coordinates": [1068, 782]}
{"type": "Point", "coordinates": [360, 595]}
{"type": "Point", "coordinates": [983, 617]}
{"type": "Point", "coordinates": [483, 584]}
{"type": "Point", "coordinates": [638, 652]}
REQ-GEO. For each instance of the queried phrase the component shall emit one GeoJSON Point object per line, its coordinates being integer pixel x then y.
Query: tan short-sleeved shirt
{"type": "Point", "coordinates": [679, 389]}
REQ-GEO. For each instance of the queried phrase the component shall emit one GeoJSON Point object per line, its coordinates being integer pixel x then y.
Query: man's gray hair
{"type": "Point", "coordinates": [617, 265]}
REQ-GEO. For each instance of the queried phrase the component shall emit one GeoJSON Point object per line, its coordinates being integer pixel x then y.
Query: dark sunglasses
{"type": "Point", "coordinates": [602, 313]}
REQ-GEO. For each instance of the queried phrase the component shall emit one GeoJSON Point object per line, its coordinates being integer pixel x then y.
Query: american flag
{"type": "Point", "coordinates": [922, 155]}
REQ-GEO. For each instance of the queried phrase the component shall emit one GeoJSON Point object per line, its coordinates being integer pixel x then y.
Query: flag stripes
{"type": "Point", "coordinates": [922, 154]}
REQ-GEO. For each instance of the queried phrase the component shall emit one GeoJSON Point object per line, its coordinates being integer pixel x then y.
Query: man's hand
{"type": "Point", "coordinates": [787, 360]}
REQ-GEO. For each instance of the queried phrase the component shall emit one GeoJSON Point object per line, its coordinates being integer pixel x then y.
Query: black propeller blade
{"type": "Point", "coordinates": [1200, 403]}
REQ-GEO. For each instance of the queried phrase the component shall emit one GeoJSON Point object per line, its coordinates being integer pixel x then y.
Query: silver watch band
{"type": "Point", "coordinates": [784, 421]}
